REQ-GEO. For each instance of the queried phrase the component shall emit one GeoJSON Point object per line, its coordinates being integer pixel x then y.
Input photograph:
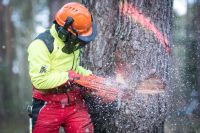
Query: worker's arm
{"type": "Point", "coordinates": [40, 72]}
{"type": "Point", "coordinates": [80, 70]}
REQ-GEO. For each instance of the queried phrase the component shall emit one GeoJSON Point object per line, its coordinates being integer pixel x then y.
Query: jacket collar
{"type": "Point", "coordinates": [55, 34]}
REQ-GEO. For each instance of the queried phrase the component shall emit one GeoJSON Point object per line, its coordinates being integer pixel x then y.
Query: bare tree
{"type": "Point", "coordinates": [6, 53]}
{"type": "Point", "coordinates": [55, 5]}
{"type": "Point", "coordinates": [133, 42]}
{"type": "Point", "coordinates": [197, 22]}
{"type": "Point", "coordinates": [197, 38]}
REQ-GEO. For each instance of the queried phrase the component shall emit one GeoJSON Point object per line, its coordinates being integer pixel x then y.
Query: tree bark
{"type": "Point", "coordinates": [132, 42]}
{"type": "Point", "coordinates": [2, 57]}
{"type": "Point", "coordinates": [6, 54]}
{"type": "Point", "coordinates": [197, 38]}
{"type": "Point", "coordinates": [54, 6]}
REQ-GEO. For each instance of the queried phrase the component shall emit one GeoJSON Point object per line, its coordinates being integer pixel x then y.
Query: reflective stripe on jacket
{"type": "Point", "coordinates": [49, 70]}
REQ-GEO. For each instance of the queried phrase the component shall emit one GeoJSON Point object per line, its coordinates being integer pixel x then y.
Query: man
{"type": "Point", "coordinates": [53, 64]}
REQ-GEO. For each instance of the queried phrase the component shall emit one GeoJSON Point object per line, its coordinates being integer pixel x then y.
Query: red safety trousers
{"type": "Point", "coordinates": [52, 110]}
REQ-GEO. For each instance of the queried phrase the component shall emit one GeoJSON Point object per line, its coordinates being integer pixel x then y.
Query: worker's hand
{"type": "Point", "coordinates": [72, 76]}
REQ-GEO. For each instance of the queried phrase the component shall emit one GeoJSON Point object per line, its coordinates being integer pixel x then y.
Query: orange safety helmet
{"type": "Point", "coordinates": [82, 21]}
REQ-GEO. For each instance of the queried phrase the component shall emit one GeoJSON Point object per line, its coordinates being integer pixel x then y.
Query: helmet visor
{"type": "Point", "coordinates": [87, 39]}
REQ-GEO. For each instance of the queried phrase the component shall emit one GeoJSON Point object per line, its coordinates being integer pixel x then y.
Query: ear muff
{"type": "Point", "coordinates": [63, 33]}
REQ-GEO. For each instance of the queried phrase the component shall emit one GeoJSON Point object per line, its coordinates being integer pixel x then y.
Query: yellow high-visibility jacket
{"type": "Point", "coordinates": [50, 69]}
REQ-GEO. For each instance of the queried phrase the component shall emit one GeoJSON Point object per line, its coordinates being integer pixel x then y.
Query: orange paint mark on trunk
{"type": "Point", "coordinates": [129, 10]}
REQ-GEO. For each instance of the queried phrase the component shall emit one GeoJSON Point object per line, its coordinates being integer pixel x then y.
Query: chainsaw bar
{"type": "Point", "coordinates": [100, 87]}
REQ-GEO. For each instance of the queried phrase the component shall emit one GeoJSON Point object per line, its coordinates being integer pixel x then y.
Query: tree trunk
{"type": "Point", "coordinates": [197, 36]}
{"type": "Point", "coordinates": [2, 57]}
{"type": "Point", "coordinates": [133, 42]}
{"type": "Point", "coordinates": [23, 21]}
{"type": "Point", "coordinates": [6, 54]}
{"type": "Point", "coordinates": [54, 6]}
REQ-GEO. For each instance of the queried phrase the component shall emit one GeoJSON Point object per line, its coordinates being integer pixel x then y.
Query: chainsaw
{"type": "Point", "coordinates": [105, 89]}
{"type": "Point", "coordinates": [109, 90]}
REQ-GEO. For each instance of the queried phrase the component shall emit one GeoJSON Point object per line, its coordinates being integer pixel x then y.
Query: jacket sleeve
{"type": "Point", "coordinates": [80, 70]}
{"type": "Point", "coordinates": [83, 71]}
{"type": "Point", "coordinates": [42, 77]}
